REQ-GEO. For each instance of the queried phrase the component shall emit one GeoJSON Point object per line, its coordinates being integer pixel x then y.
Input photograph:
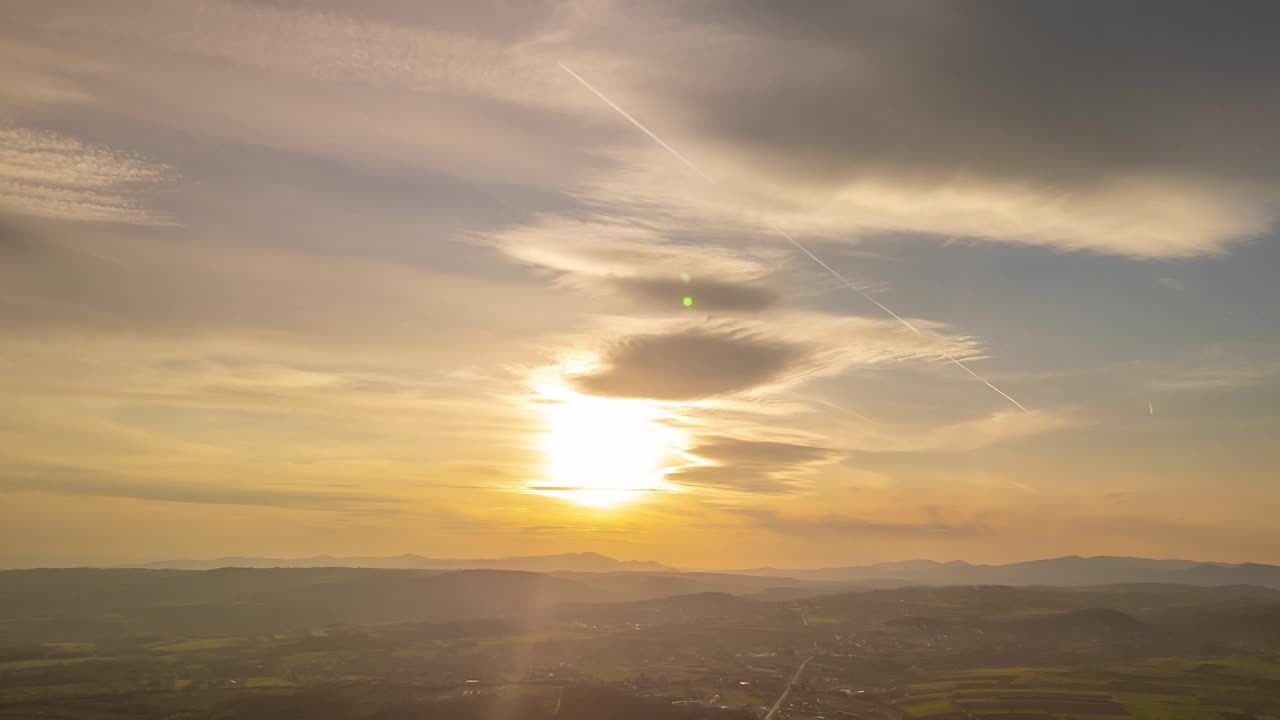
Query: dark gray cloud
{"type": "Point", "coordinates": [1145, 129]}
{"type": "Point", "coordinates": [690, 364]}
{"type": "Point", "coordinates": [1067, 93]}
{"type": "Point", "coordinates": [708, 295]}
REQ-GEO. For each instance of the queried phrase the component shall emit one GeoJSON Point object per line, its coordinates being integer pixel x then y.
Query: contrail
{"type": "Point", "coordinates": [847, 411]}
{"type": "Point", "coordinates": [1151, 410]}
{"type": "Point", "coordinates": [843, 281]}
{"type": "Point", "coordinates": [637, 123]}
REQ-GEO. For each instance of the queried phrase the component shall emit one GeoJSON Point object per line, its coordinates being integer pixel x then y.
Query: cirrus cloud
{"type": "Point", "coordinates": [54, 176]}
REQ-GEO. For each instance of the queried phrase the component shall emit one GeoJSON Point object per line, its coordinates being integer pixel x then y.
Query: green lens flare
{"type": "Point", "coordinates": [684, 277]}
{"type": "Point", "coordinates": [688, 301]}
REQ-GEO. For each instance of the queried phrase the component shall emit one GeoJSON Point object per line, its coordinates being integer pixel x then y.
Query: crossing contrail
{"type": "Point", "coordinates": [783, 233]}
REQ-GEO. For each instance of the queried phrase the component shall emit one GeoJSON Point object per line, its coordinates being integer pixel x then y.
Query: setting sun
{"type": "Point", "coordinates": [603, 452]}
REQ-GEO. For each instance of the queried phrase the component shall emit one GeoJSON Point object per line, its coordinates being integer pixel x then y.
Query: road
{"type": "Point", "coordinates": [786, 692]}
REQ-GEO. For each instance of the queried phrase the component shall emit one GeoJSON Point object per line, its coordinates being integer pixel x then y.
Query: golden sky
{"type": "Point", "coordinates": [283, 279]}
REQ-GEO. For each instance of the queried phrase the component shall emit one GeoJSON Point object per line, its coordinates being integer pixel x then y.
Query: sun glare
{"type": "Point", "coordinates": [603, 452]}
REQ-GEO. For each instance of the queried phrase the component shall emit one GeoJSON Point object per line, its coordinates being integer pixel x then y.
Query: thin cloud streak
{"type": "Point", "coordinates": [843, 281]}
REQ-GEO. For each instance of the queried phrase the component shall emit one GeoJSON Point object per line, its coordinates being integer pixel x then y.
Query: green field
{"type": "Point", "coordinates": [930, 707]}
{"type": "Point", "coordinates": [198, 644]}
{"type": "Point", "coordinates": [75, 648]}
{"type": "Point", "coordinates": [822, 620]}
{"type": "Point", "coordinates": [1182, 689]}
{"type": "Point", "coordinates": [50, 662]}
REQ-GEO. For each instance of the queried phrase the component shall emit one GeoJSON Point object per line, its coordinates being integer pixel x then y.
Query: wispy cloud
{"type": "Point", "coordinates": [54, 176]}
{"type": "Point", "coordinates": [641, 258]}
{"type": "Point", "coordinates": [763, 467]}
{"type": "Point", "coordinates": [972, 434]}
{"type": "Point", "coordinates": [72, 481]}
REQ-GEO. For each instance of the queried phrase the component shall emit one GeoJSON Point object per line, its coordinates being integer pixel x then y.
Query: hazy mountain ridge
{"type": "Point", "coordinates": [1064, 571]}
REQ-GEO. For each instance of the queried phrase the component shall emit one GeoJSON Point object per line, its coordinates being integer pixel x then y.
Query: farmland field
{"type": "Point", "coordinates": [1174, 689]}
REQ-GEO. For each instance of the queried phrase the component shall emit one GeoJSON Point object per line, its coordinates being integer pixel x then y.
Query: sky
{"type": "Point", "coordinates": [716, 284]}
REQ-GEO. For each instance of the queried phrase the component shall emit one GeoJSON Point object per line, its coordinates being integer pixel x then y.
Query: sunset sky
{"type": "Point", "coordinates": [289, 278]}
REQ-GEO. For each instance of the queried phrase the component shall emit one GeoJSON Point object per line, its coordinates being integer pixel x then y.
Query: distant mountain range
{"type": "Point", "coordinates": [1064, 571]}
{"type": "Point", "coordinates": [568, 562]}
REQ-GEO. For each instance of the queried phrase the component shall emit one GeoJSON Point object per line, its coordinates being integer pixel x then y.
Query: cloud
{"type": "Point", "coordinates": [841, 119]}
{"type": "Point", "coordinates": [692, 360]}
{"type": "Point", "coordinates": [758, 453]}
{"type": "Point", "coordinates": [752, 466]}
{"type": "Point", "coordinates": [103, 279]}
{"type": "Point", "coordinates": [53, 176]}
{"type": "Point", "coordinates": [998, 427]}
{"type": "Point", "coordinates": [654, 266]}
{"type": "Point", "coordinates": [706, 295]}
{"type": "Point", "coordinates": [689, 365]}
{"type": "Point", "coordinates": [759, 465]}
{"type": "Point", "coordinates": [955, 120]}
{"type": "Point", "coordinates": [74, 481]}
{"type": "Point", "coordinates": [428, 87]}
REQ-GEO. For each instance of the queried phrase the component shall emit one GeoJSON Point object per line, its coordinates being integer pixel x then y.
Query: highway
{"type": "Point", "coordinates": [786, 692]}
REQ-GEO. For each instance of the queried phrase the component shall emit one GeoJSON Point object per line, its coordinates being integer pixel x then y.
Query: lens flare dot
{"type": "Point", "coordinates": [688, 301]}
